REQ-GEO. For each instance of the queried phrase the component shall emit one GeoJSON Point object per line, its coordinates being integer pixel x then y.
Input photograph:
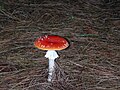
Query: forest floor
{"type": "Point", "coordinates": [91, 62]}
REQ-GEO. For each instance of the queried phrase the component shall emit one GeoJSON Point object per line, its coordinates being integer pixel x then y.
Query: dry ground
{"type": "Point", "coordinates": [92, 61]}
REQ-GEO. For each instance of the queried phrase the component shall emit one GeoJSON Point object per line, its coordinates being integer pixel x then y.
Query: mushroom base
{"type": "Point", "coordinates": [51, 69]}
{"type": "Point", "coordinates": [51, 55]}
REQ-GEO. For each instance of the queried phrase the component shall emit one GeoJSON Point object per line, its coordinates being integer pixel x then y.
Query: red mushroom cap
{"type": "Point", "coordinates": [51, 42]}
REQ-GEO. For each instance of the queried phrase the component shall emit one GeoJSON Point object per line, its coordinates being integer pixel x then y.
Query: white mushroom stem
{"type": "Point", "coordinates": [51, 55]}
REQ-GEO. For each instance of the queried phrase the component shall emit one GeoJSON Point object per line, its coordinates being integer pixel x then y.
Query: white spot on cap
{"type": "Point", "coordinates": [65, 44]}
{"type": "Point", "coordinates": [48, 46]}
{"type": "Point", "coordinates": [42, 39]}
{"type": "Point", "coordinates": [46, 36]}
{"type": "Point", "coordinates": [63, 41]}
{"type": "Point", "coordinates": [51, 43]}
{"type": "Point", "coordinates": [43, 46]}
{"type": "Point", "coordinates": [39, 41]}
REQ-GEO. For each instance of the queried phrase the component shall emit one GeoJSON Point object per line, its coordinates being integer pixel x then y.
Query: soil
{"type": "Point", "coordinates": [92, 60]}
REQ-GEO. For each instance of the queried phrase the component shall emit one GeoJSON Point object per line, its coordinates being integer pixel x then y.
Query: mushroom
{"type": "Point", "coordinates": [51, 43]}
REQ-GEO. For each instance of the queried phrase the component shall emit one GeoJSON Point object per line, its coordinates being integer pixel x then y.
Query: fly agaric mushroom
{"type": "Point", "coordinates": [51, 43]}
